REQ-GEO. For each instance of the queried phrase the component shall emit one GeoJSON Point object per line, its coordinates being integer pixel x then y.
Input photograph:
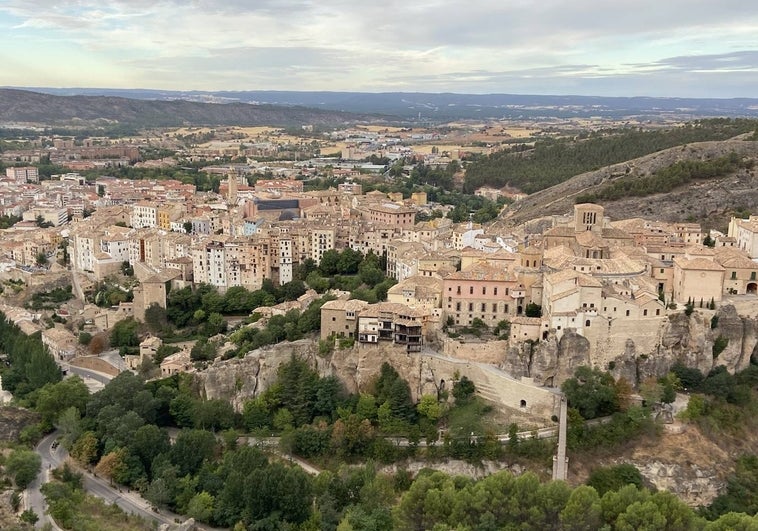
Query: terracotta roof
{"type": "Point", "coordinates": [698, 264]}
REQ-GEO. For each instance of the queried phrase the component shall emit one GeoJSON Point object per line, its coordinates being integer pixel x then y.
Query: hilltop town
{"type": "Point", "coordinates": [610, 281]}
{"type": "Point", "coordinates": [221, 257]}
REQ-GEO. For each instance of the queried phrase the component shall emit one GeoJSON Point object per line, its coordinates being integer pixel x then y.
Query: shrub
{"type": "Point", "coordinates": [719, 345]}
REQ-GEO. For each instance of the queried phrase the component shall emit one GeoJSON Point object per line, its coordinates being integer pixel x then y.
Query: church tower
{"type": "Point", "coordinates": [231, 192]}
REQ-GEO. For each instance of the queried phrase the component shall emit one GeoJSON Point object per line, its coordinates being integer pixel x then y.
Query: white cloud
{"type": "Point", "coordinates": [440, 45]}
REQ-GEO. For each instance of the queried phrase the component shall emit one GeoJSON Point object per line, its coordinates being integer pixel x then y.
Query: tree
{"type": "Point", "coordinates": [149, 442]}
{"type": "Point", "coordinates": [201, 507]}
{"type": "Point", "coordinates": [393, 390]}
{"type": "Point", "coordinates": [124, 333]}
{"type": "Point", "coordinates": [582, 511]}
{"type": "Point", "coordinates": [592, 392]}
{"type": "Point", "coordinates": [604, 479]}
{"type": "Point", "coordinates": [70, 425]}
{"type": "Point", "coordinates": [156, 318]}
{"type": "Point", "coordinates": [53, 399]}
{"type": "Point", "coordinates": [191, 449]}
{"type": "Point", "coordinates": [41, 259]}
{"type": "Point", "coordinates": [742, 490]}
{"type": "Point", "coordinates": [23, 466]}
{"type": "Point", "coordinates": [84, 449]}
{"type": "Point", "coordinates": [463, 390]}
{"type": "Point", "coordinates": [29, 517]}
{"type": "Point", "coordinates": [429, 407]}
{"type": "Point", "coordinates": [533, 310]}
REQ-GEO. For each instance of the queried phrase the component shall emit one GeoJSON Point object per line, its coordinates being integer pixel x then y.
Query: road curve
{"type": "Point", "coordinates": [128, 501]}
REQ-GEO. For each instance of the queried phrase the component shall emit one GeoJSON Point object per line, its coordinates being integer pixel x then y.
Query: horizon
{"type": "Point", "coordinates": [74, 89]}
{"type": "Point", "coordinates": [677, 49]}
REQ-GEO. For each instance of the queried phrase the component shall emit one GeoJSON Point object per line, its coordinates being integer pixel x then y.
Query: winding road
{"type": "Point", "coordinates": [128, 501]}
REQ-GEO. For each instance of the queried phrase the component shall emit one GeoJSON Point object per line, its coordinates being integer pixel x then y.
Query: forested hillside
{"type": "Point", "coordinates": [554, 161]}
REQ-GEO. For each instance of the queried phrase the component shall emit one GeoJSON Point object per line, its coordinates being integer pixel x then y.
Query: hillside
{"type": "Point", "coordinates": [552, 161]}
{"type": "Point", "coordinates": [452, 106]}
{"type": "Point", "coordinates": [708, 201]}
{"type": "Point", "coordinates": [21, 106]}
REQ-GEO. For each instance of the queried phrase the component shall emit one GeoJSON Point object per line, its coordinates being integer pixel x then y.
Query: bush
{"type": "Point", "coordinates": [719, 345]}
{"type": "Point", "coordinates": [85, 338]}
{"type": "Point", "coordinates": [604, 479]}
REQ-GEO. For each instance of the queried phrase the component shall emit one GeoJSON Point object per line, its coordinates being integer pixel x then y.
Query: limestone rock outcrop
{"type": "Point", "coordinates": [680, 339]}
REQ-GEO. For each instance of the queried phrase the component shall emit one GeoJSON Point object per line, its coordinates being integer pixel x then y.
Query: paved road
{"type": "Point", "coordinates": [129, 501]}
{"type": "Point", "coordinates": [51, 458]}
{"type": "Point", "coordinates": [89, 374]}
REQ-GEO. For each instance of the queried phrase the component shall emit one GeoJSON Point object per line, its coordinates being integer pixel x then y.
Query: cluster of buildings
{"type": "Point", "coordinates": [608, 281]}
{"type": "Point", "coordinates": [584, 273]}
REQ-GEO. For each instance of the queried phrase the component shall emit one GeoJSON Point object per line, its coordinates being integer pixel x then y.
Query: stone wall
{"type": "Point", "coordinates": [482, 351]}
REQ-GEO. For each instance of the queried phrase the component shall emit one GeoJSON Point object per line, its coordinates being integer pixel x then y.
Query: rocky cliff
{"type": "Point", "coordinates": [238, 380]}
{"type": "Point", "coordinates": [678, 338]}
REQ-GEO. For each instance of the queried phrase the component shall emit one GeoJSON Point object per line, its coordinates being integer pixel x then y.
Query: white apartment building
{"type": "Point", "coordinates": [144, 215]}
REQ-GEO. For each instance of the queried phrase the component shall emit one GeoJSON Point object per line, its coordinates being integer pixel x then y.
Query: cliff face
{"type": "Point", "coordinates": [680, 338]}
{"type": "Point", "coordinates": [238, 380]}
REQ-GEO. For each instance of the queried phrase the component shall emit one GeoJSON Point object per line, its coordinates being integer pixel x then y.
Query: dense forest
{"type": "Point", "coordinates": [553, 161]}
{"type": "Point", "coordinates": [29, 365]}
{"type": "Point", "coordinates": [206, 471]}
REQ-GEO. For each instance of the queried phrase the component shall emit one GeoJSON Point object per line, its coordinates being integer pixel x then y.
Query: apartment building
{"type": "Point", "coordinates": [481, 292]}
{"type": "Point", "coordinates": [22, 174]}
{"type": "Point", "coordinates": [144, 215]}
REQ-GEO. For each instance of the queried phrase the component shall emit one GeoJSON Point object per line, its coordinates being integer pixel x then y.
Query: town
{"type": "Point", "coordinates": [181, 257]}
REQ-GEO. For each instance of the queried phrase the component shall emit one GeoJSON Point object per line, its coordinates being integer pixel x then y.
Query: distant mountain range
{"type": "Point", "coordinates": [24, 106]}
{"type": "Point", "coordinates": [449, 106]}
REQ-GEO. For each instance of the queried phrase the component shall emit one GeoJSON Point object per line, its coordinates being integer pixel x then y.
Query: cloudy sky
{"type": "Point", "coordinates": [696, 48]}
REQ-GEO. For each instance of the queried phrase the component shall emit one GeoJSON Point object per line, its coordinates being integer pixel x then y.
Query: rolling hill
{"type": "Point", "coordinates": [22, 106]}
{"type": "Point", "coordinates": [709, 201]}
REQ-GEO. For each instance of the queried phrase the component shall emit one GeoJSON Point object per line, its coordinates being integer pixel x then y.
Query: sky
{"type": "Point", "coordinates": [672, 48]}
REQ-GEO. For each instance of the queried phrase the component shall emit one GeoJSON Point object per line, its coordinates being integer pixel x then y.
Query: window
{"type": "Point", "coordinates": [471, 306]}
{"type": "Point", "coordinates": [494, 306]}
{"type": "Point", "coordinates": [458, 306]}
{"type": "Point", "coordinates": [484, 307]}
{"type": "Point", "coordinates": [627, 313]}
{"type": "Point", "coordinates": [661, 271]}
{"type": "Point", "coordinates": [644, 312]}
{"type": "Point", "coordinates": [734, 275]}
{"type": "Point", "coordinates": [752, 275]}
{"type": "Point", "coordinates": [657, 311]}
{"type": "Point", "coordinates": [494, 290]}
{"type": "Point", "coordinates": [471, 290]}
{"type": "Point", "coordinates": [587, 323]}
{"type": "Point", "coordinates": [484, 290]}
